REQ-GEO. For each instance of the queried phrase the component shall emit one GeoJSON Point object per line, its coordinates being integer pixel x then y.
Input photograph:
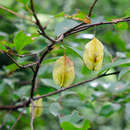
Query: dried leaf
{"type": "Point", "coordinates": [93, 54]}
{"type": "Point", "coordinates": [63, 73]}
{"type": "Point", "coordinates": [38, 107]}
{"type": "Point", "coordinates": [80, 16]}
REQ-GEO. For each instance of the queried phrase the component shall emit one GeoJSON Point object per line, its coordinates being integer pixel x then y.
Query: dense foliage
{"type": "Point", "coordinates": [102, 104]}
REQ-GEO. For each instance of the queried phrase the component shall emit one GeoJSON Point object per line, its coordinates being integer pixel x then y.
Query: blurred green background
{"type": "Point", "coordinates": [103, 104]}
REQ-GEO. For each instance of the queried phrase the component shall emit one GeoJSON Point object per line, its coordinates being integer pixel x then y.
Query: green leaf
{"type": "Point", "coordinates": [121, 26]}
{"type": "Point", "coordinates": [7, 44]}
{"type": "Point", "coordinates": [25, 2]}
{"type": "Point", "coordinates": [72, 102]}
{"type": "Point", "coordinates": [81, 16]}
{"type": "Point", "coordinates": [50, 83]}
{"type": "Point", "coordinates": [127, 109]}
{"type": "Point", "coordinates": [86, 125]}
{"type": "Point", "coordinates": [3, 35]}
{"type": "Point", "coordinates": [67, 126]}
{"type": "Point", "coordinates": [11, 67]}
{"type": "Point", "coordinates": [119, 62]}
{"type": "Point", "coordinates": [61, 14]}
{"type": "Point", "coordinates": [2, 47]}
{"type": "Point", "coordinates": [9, 82]}
{"type": "Point", "coordinates": [127, 13]}
{"type": "Point", "coordinates": [128, 54]}
{"type": "Point", "coordinates": [50, 60]}
{"type": "Point", "coordinates": [22, 91]}
{"type": "Point", "coordinates": [64, 26]}
{"type": "Point", "coordinates": [9, 118]}
{"type": "Point", "coordinates": [74, 51]}
{"type": "Point", "coordinates": [85, 70]}
{"type": "Point", "coordinates": [111, 37]}
{"type": "Point", "coordinates": [2, 87]}
{"type": "Point", "coordinates": [21, 40]}
{"type": "Point", "coordinates": [123, 72]}
{"type": "Point", "coordinates": [106, 110]}
{"type": "Point", "coordinates": [107, 56]}
{"type": "Point", "coordinates": [73, 118]}
{"type": "Point", "coordinates": [54, 109]}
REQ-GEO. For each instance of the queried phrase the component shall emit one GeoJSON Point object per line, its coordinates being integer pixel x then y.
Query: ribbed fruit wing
{"type": "Point", "coordinates": [93, 54]}
{"type": "Point", "coordinates": [63, 72]}
{"type": "Point", "coordinates": [38, 107]}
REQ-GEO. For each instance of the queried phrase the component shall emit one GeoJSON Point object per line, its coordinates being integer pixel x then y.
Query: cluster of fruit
{"type": "Point", "coordinates": [64, 73]}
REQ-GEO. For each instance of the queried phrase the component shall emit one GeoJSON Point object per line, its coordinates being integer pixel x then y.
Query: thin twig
{"type": "Point", "coordinates": [39, 24]}
{"type": "Point", "coordinates": [75, 85]}
{"type": "Point", "coordinates": [15, 107]}
{"type": "Point", "coordinates": [32, 115]}
{"type": "Point", "coordinates": [91, 8]}
{"type": "Point", "coordinates": [26, 103]}
{"type": "Point", "coordinates": [45, 52]}
{"type": "Point", "coordinates": [17, 14]}
{"type": "Point", "coordinates": [21, 83]}
{"type": "Point", "coordinates": [49, 48]}
{"type": "Point", "coordinates": [4, 122]}
{"type": "Point", "coordinates": [25, 55]}
{"type": "Point", "coordinates": [21, 66]}
{"type": "Point", "coordinates": [89, 15]}
{"type": "Point", "coordinates": [20, 115]}
{"type": "Point", "coordinates": [85, 27]}
{"type": "Point", "coordinates": [13, 60]}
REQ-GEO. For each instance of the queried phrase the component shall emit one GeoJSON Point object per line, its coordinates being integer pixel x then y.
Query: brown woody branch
{"type": "Point", "coordinates": [86, 26]}
{"type": "Point", "coordinates": [16, 14]}
{"type": "Point", "coordinates": [21, 66]}
{"type": "Point", "coordinates": [39, 24]}
{"type": "Point", "coordinates": [18, 118]}
{"type": "Point", "coordinates": [75, 85]}
{"type": "Point", "coordinates": [91, 8]}
{"type": "Point", "coordinates": [25, 55]}
{"type": "Point", "coordinates": [26, 103]}
{"type": "Point", "coordinates": [45, 52]}
{"type": "Point", "coordinates": [32, 115]}
{"type": "Point", "coordinates": [48, 49]}
{"type": "Point", "coordinates": [4, 122]}
{"type": "Point", "coordinates": [15, 107]}
{"type": "Point", "coordinates": [89, 15]}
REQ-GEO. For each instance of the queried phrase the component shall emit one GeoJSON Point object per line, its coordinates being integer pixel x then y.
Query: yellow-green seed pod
{"type": "Point", "coordinates": [93, 54]}
{"type": "Point", "coordinates": [63, 72]}
{"type": "Point", "coordinates": [38, 107]}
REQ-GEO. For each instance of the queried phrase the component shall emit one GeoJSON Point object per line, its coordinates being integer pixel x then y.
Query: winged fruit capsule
{"type": "Point", "coordinates": [38, 107]}
{"type": "Point", "coordinates": [63, 72]}
{"type": "Point", "coordinates": [93, 54]}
